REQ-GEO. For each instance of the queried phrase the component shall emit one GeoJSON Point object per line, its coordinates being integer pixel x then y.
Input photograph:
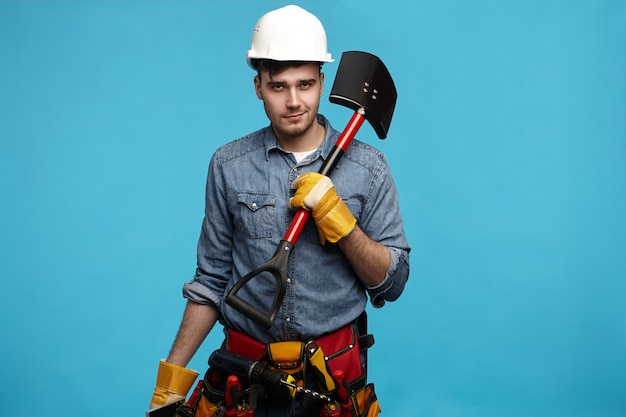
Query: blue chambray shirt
{"type": "Point", "coordinates": [247, 215]}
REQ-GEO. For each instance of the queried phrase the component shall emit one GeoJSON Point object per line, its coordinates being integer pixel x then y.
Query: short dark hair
{"type": "Point", "coordinates": [276, 67]}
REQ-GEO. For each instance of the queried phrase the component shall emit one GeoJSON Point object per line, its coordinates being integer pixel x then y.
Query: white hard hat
{"type": "Point", "coordinates": [289, 34]}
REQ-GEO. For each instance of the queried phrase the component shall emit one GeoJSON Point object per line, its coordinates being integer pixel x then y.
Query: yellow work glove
{"type": "Point", "coordinates": [316, 192]}
{"type": "Point", "coordinates": [173, 384]}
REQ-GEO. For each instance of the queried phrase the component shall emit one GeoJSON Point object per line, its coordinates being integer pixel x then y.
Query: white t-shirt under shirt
{"type": "Point", "coordinates": [301, 155]}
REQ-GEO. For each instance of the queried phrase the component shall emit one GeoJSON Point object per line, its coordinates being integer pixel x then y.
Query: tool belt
{"type": "Point", "coordinates": [316, 360]}
{"type": "Point", "coordinates": [339, 350]}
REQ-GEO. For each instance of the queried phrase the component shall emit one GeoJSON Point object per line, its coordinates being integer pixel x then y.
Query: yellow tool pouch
{"type": "Point", "coordinates": [207, 401]}
{"type": "Point", "coordinates": [203, 402]}
{"type": "Point", "coordinates": [286, 356]}
{"type": "Point", "coordinates": [365, 402]}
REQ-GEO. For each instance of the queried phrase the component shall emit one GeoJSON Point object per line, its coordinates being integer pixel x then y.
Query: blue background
{"type": "Point", "coordinates": [509, 149]}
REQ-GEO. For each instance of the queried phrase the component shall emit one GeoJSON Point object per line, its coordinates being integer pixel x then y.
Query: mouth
{"type": "Point", "coordinates": [294, 117]}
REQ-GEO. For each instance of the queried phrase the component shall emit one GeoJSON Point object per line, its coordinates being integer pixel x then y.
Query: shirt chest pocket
{"type": "Point", "coordinates": [256, 214]}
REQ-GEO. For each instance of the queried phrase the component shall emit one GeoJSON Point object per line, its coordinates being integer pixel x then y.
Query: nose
{"type": "Point", "coordinates": [293, 100]}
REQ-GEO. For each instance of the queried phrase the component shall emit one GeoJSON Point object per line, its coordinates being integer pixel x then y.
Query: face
{"type": "Point", "coordinates": [291, 99]}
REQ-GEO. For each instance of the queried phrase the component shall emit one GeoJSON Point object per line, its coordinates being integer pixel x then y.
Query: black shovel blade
{"type": "Point", "coordinates": [363, 81]}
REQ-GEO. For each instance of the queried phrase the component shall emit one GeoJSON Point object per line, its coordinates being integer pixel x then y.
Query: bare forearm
{"type": "Point", "coordinates": [198, 320]}
{"type": "Point", "coordinates": [369, 259]}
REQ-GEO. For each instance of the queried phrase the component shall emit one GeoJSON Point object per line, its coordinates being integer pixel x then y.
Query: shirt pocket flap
{"type": "Point", "coordinates": [256, 201]}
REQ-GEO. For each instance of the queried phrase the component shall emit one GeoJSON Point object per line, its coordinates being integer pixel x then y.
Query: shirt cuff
{"type": "Point", "coordinates": [391, 287]}
{"type": "Point", "coordinates": [198, 293]}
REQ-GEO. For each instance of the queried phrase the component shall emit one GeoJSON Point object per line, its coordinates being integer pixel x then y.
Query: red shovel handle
{"type": "Point", "coordinates": [301, 217]}
{"type": "Point", "coordinates": [277, 265]}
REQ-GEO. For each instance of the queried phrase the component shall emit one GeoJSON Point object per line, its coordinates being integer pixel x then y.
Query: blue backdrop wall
{"type": "Point", "coordinates": [509, 150]}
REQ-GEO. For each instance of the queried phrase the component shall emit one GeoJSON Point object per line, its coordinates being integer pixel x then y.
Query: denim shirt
{"type": "Point", "coordinates": [247, 215]}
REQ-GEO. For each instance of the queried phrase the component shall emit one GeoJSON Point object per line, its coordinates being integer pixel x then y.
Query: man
{"type": "Point", "coordinates": [355, 246]}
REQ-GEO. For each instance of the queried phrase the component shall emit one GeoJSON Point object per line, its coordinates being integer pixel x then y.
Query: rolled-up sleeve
{"type": "Point", "coordinates": [395, 279]}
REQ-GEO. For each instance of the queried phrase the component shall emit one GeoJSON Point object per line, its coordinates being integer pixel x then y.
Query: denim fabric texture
{"type": "Point", "coordinates": [247, 215]}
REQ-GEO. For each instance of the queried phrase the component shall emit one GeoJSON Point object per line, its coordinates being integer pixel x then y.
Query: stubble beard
{"type": "Point", "coordinates": [289, 131]}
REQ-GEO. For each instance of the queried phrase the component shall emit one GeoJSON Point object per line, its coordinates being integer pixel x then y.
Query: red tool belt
{"type": "Point", "coordinates": [319, 359]}
{"type": "Point", "coordinates": [339, 350]}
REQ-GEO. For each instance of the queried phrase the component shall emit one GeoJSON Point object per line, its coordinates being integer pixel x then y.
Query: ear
{"type": "Point", "coordinates": [321, 83]}
{"type": "Point", "coordinates": [257, 87]}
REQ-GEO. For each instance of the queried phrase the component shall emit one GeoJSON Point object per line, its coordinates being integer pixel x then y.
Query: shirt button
{"type": "Point", "coordinates": [288, 280]}
{"type": "Point", "coordinates": [254, 205]}
{"type": "Point", "coordinates": [288, 320]}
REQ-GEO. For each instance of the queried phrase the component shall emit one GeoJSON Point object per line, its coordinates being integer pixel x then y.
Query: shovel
{"type": "Point", "coordinates": [364, 85]}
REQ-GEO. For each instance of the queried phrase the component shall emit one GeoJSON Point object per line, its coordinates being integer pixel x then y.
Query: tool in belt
{"type": "Point", "coordinates": [254, 372]}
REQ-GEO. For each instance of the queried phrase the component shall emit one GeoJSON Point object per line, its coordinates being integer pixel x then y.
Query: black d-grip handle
{"type": "Point", "coordinates": [277, 266]}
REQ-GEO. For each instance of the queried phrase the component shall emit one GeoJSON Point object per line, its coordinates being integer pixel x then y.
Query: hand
{"type": "Point", "coordinates": [173, 384]}
{"type": "Point", "coordinates": [316, 192]}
